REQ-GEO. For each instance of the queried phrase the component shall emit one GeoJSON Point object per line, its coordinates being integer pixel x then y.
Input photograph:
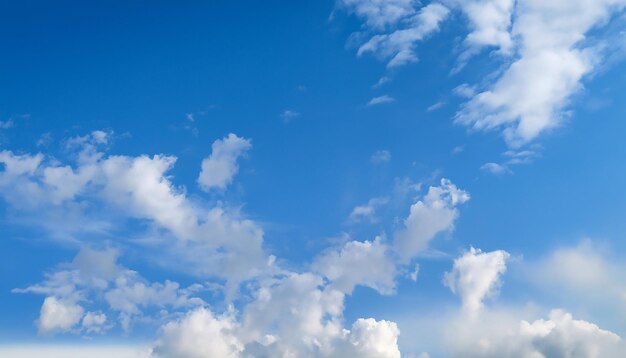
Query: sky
{"type": "Point", "coordinates": [337, 178]}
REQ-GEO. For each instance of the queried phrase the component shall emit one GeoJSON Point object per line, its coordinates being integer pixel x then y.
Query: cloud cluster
{"type": "Point", "coordinates": [545, 49]}
{"type": "Point", "coordinates": [95, 279]}
{"type": "Point", "coordinates": [211, 240]}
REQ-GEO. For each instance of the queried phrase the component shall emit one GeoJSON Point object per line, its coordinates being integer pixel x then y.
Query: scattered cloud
{"type": "Point", "coordinates": [476, 275]}
{"type": "Point", "coordinates": [436, 106]}
{"type": "Point", "coordinates": [221, 166]}
{"type": "Point", "coordinates": [434, 214]}
{"type": "Point", "coordinates": [367, 212]}
{"type": "Point", "coordinates": [496, 169]}
{"type": "Point", "coordinates": [381, 100]}
{"type": "Point", "coordinates": [289, 115]}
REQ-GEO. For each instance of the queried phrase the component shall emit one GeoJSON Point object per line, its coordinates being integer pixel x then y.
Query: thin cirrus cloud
{"type": "Point", "coordinates": [381, 100]}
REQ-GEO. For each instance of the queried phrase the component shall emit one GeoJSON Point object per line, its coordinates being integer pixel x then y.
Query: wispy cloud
{"type": "Point", "coordinates": [381, 100]}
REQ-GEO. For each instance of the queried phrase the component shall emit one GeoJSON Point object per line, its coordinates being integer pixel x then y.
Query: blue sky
{"type": "Point", "coordinates": [324, 179]}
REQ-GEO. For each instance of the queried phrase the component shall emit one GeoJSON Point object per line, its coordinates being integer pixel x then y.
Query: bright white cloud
{"type": "Point", "coordinates": [358, 263]}
{"type": "Point", "coordinates": [434, 214]}
{"type": "Point", "coordinates": [529, 97]}
{"type": "Point", "coordinates": [58, 315]}
{"type": "Point", "coordinates": [293, 316]}
{"type": "Point", "coordinates": [221, 166]}
{"type": "Point", "coordinates": [490, 22]}
{"type": "Point", "coordinates": [200, 334]}
{"type": "Point", "coordinates": [213, 241]}
{"type": "Point", "coordinates": [96, 274]}
{"type": "Point", "coordinates": [476, 275]}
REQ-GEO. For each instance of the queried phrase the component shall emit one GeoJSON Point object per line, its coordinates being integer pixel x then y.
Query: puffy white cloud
{"type": "Point", "coordinates": [292, 316]}
{"type": "Point", "coordinates": [504, 335]}
{"type": "Point", "coordinates": [93, 275]}
{"type": "Point", "coordinates": [374, 339]}
{"type": "Point", "coordinates": [73, 200]}
{"type": "Point", "coordinates": [434, 214]}
{"type": "Point", "coordinates": [58, 315]}
{"type": "Point", "coordinates": [399, 46]}
{"type": "Point", "coordinates": [476, 275]}
{"type": "Point", "coordinates": [529, 96]}
{"type": "Point", "coordinates": [358, 263]}
{"type": "Point", "coordinates": [200, 334]}
{"type": "Point", "coordinates": [221, 166]}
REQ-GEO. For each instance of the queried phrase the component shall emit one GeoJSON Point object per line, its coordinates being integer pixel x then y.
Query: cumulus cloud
{"type": "Point", "coordinates": [434, 214]}
{"type": "Point", "coordinates": [358, 263]}
{"type": "Point", "coordinates": [221, 166]}
{"type": "Point", "coordinates": [310, 327]}
{"type": "Point", "coordinates": [57, 315]}
{"type": "Point", "coordinates": [530, 95]}
{"type": "Point", "coordinates": [200, 334]}
{"type": "Point", "coordinates": [125, 292]}
{"type": "Point", "coordinates": [137, 189]}
{"type": "Point", "coordinates": [476, 275]}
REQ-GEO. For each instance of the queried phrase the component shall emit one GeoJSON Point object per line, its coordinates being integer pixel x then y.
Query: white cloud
{"type": "Point", "coordinates": [374, 339]}
{"type": "Point", "coordinates": [476, 275]}
{"type": "Point", "coordinates": [380, 156]}
{"type": "Point", "coordinates": [529, 97]}
{"type": "Point", "coordinates": [293, 316]}
{"type": "Point", "coordinates": [71, 201]}
{"type": "Point", "coordinates": [221, 166]}
{"type": "Point", "coordinates": [434, 214]}
{"type": "Point", "coordinates": [358, 263]}
{"type": "Point", "coordinates": [495, 168]}
{"type": "Point", "coordinates": [399, 46]}
{"type": "Point", "coordinates": [367, 211]}
{"type": "Point", "coordinates": [58, 315]}
{"type": "Point", "coordinates": [503, 334]}
{"type": "Point", "coordinates": [200, 334]}
{"type": "Point", "coordinates": [96, 274]}
{"type": "Point", "coordinates": [490, 22]}
{"type": "Point", "coordinates": [380, 100]}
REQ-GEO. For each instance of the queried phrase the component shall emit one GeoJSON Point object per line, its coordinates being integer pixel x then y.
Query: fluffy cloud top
{"type": "Point", "coordinates": [221, 166]}
{"type": "Point", "coordinates": [476, 275]}
{"type": "Point", "coordinates": [434, 214]}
